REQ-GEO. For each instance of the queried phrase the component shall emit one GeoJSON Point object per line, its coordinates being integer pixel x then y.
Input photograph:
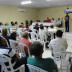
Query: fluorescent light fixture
{"type": "Point", "coordinates": [26, 2]}
{"type": "Point", "coordinates": [48, 0]}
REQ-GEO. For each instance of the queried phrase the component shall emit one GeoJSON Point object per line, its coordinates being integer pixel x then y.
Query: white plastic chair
{"type": "Point", "coordinates": [15, 45]}
{"type": "Point", "coordinates": [34, 36]}
{"type": "Point", "coordinates": [56, 48]}
{"type": "Point", "coordinates": [35, 69]}
{"type": "Point", "coordinates": [61, 61]}
{"type": "Point", "coordinates": [6, 68]}
{"type": "Point", "coordinates": [43, 38]}
{"type": "Point", "coordinates": [19, 32]}
{"type": "Point", "coordinates": [22, 46]}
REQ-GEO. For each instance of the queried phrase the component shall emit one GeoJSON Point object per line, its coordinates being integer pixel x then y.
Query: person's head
{"type": "Point", "coordinates": [2, 41]}
{"type": "Point", "coordinates": [41, 26]}
{"type": "Point", "coordinates": [47, 17]}
{"type": "Point", "coordinates": [13, 35]}
{"type": "Point", "coordinates": [36, 49]}
{"type": "Point", "coordinates": [66, 13]}
{"type": "Point", "coordinates": [52, 26]}
{"type": "Point", "coordinates": [22, 23]}
{"type": "Point", "coordinates": [59, 33]}
{"type": "Point", "coordinates": [58, 19]}
{"type": "Point", "coordinates": [25, 35]}
{"type": "Point", "coordinates": [6, 24]}
{"type": "Point", "coordinates": [36, 24]}
{"type": "Point", "coordinates": [16, 23]}
{"type": "Point", "coordinates": [52, 18]}
{"type": "Point", "coordinates": [4, 31]}
{"type": "Point", "coordinates": [12, 22]}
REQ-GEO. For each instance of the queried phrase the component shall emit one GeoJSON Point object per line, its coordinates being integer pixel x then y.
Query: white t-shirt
{"type": "Point", "coordinates": [59, 42]}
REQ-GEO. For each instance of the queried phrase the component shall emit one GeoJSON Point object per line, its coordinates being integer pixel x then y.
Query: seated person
{"type": "Point", "coordinates": [13, 36]}
{"type": "Point", "coordinates": [7, 26]}
{"type": "Point", "coordinates": [48, 20]}
{"type": "Point", "coordinates": [36, 27]}
{"type": "Point", "coordinates": [42, 30]}
{"type": "Point", "coordinates": [59, 22]}
{"type": "Point", "coordinates": [16, 24]}
{"type": "Point", "coordinates": [25, 41]}
{"type": "Point", "coordinates": [5, 35]}
{"type": "Point", "coordinates": [53, 21]}
{"type": "Point", "coordinates": [47, 64]}
{"type": "Point", "coordinates": [57, 27]}
{"type": "Point", "coordinates": [27, 29]}
{"type": "Point", "coordinates": [59, 40]}
{"type": "Point", "coordinates": [22, 25]}
{"type": "Point", "coordinates": [15, 58]}
{"type": "Point", "coordinates": [13, 28]}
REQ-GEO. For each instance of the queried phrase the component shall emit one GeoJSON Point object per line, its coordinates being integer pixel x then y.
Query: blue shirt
{"type": "Point", "coordinates": [67, 18]}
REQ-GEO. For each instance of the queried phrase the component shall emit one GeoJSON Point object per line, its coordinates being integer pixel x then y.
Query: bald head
{"type": "Point", "coordinates": [25, 35]}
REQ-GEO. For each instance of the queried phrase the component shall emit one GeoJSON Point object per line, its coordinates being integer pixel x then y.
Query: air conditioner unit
{"type": "Point", "coordinates": [22, 10]}
{"type": "Point", "coordinates": [68, 11]}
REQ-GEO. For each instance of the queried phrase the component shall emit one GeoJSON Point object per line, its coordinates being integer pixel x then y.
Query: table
{"type": "Point", "coordinates": [44, 23]}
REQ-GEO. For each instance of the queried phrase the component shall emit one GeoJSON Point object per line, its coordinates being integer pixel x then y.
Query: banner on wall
{"type": "Point", "coordinates": [68, 11]}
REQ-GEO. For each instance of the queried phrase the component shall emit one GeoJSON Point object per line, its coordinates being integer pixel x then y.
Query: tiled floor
{"type": "Point", "coordinates": [68, 36]}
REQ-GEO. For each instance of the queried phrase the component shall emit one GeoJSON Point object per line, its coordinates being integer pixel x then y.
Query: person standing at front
{"type": "Point", "coordinates": [67, 22]}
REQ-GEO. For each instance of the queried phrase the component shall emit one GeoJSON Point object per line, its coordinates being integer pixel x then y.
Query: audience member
{"type": "Point", "coordinates": [25, 41]}
{"type": "Point", "coordinates": [41, 30]}
{"type": "Point", "coordinates": [15, 58]}
{"type": "Point", "coordinates": [16, 24]}
{"type": "Point", "coordinates": [54, 21]}
{"type": "Point", "coordinates": [59, 22]}
{"type": "Point", "coordinates": [22, 25]}
{"type": "Point", "coordinates": [13, 36]}
{"type": "Point", "coordinates": [36, 59]}
{"type": "Point", "coordinates": [7, 26]}
{"type": "Point", "coordinates": [5, 35]}
{"type": "Point", "coordinates": [13, 28]}
{"type": "Point", "coordinates": [0, 23]}
{"type": "Point", "coordinates": [36, 27]}
{"type": "Point", "coordinates": [12, 23]}
{"type": "Point", "coordinates": [59, 41]}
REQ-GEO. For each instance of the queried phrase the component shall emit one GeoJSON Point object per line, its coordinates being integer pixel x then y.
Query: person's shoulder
{"type": "Point", "coordinates": [49, 59]}
{"type": "Point", "coordinates": [52, 40]}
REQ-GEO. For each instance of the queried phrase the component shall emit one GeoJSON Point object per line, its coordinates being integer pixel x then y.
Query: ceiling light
{"type": "Point", "coordinates": [26, 2]}
{"type": "Point", "coordinates": [48, 0]}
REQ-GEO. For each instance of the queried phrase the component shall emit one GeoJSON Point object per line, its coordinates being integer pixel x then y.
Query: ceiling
{"type": "Point", "coordinates": [37, 3]}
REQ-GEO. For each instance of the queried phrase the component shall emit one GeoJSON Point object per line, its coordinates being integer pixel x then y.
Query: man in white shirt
{"type": "Point", "coordinates": [59, 22]}
{"type": "Point", "coordinates": [59, 41]}
{"type": "Point", "coordinates": [53, 21]}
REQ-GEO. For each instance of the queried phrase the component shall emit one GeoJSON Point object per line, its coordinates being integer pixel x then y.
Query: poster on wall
{"type": "Point", "coordinates": [68, 11]}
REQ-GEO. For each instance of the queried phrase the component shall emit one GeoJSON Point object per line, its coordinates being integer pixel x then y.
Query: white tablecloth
{"type": "Point", "coordinates": [44, 24]}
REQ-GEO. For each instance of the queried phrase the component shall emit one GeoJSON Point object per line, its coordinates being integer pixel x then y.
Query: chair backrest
{"type": "Point", "coordinates": [34, 36]}
{"type": "Point", "coordinates": [22, 46]}
{"type": "Point", "coordinates": [15, 45]}
{"type": "Point", "coordinates": [57, 48]}
{"type": "Point", "coordinates": [35, 69]}
{"type": "Point", "coordinates": [19, 32]}
{"type": "Point", "coordinates": [42, 36]}
{"type": "Point", "coordinates": [5, 62]}
{"type": "Point", "coordinates": [4, 51]}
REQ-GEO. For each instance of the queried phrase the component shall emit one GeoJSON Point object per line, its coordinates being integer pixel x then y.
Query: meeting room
{"type": "Point", "coordinates": [35, 35]}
